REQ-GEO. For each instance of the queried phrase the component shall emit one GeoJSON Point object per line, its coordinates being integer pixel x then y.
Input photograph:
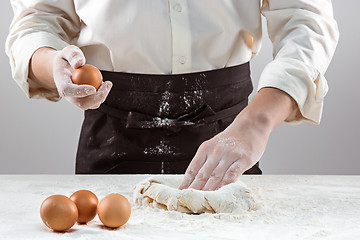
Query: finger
{"type": "Point", "coordinates": [219, 172]}
{"type": "Point", "coordinates": [78, 91]}
{"type": "Point", "coordinates": [204, 173]}
{"type": "Point", "coordinates": [90, 102]}
{"type": "Point", "coordinates": [196, 163]}
{"type": "Point", "coordinates": [233, 173]}
{"type": "Point", "coordinates": [103, 97]}
{"type": "Point", "coordinates": [74, 56]}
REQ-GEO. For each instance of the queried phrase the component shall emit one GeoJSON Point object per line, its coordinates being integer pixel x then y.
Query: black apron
{"type": "Point", "coordinates": [154, 123]}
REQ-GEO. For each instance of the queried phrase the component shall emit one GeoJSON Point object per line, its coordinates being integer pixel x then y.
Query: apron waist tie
{"type": "Point", "coordinates": [200, 116]}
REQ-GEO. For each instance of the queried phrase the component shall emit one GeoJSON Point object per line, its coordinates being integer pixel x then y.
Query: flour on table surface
{"type": "Point", "coordinates": [290, 207]}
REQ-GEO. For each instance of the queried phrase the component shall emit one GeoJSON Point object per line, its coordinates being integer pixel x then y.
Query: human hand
{"type": "Point", "coordinates": [222, 159]}
{"type": "Point", "coordinates": [82, 96]}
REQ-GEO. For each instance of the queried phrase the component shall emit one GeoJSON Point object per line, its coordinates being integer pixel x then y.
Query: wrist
{"type": "Point", "coordinates": [258, 120]}
{"type": "Point", "coordinates": [268, 109]}
{"type": "Point", "coordinates": [41, 67]}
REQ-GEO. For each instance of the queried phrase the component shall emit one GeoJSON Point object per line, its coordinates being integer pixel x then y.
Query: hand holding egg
{"type": "Point", "coordinates": [85, 89]}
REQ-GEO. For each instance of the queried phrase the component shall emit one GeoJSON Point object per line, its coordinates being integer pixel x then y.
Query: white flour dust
{"type": "Point", "coordinates": [161, 122]}
{"type": "Point", "coordinates": [161, 148]}
{"type": "Point", "coordinates": [192, 98]}
{"type": "Point", "coordinates": [110, 140]}
{"type": "Point", "coordinates": [164, 105]}
{"type": "Point", "coordinates": [229, 141]}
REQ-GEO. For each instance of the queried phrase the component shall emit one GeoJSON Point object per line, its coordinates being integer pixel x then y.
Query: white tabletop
{"type": "Point", "coordinates": [291, 207]}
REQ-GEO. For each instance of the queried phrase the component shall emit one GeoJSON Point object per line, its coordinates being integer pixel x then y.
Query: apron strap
{"type": "Point", "coordinates": [200, 116]}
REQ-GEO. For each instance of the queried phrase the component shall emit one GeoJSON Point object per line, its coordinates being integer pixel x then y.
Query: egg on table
{"type": "Point", "coordinates": [114, 210]}
{"type": "Point", "coordinates": [86, 203]}
{"type": "Point", "coordinates": [58, 212]}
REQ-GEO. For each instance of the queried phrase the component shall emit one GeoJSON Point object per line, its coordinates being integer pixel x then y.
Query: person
{"type": "Point", "coordinates": [176, 78]}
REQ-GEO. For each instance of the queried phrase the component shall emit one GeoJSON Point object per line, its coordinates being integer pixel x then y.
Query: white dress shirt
{"type": "Point", "coordinates": [182, 36]}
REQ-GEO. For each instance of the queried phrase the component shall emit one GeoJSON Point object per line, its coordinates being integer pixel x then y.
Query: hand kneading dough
{"type": "Point", "coordinates": [162, 192]}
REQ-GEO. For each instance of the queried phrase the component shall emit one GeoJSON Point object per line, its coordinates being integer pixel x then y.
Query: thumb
{"type": "Point", "coordinates": [74, 56]}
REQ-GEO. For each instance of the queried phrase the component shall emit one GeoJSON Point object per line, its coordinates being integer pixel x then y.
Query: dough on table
{"type": "Point", "coordinates": [162, 192]}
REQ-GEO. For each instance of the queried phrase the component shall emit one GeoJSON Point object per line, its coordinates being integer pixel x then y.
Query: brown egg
{"type": "Point", "coordinates": [87, 74]}
{"type": "Point", "coordinates": [86, 203]}
{"type": "Point", "coordinates": [58, 212]}
{"type": "Point", "coordinates": [114, 210]}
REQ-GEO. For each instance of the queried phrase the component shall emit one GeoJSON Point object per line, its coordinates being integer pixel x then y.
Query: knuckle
{"type": "Point", "coordinates": [205, 145]}
{"type": "Point", "coordinates": [190, 172]}
{"type": "Point", "coordinates": [215, 176]}
{"type": "Point", "coordinates": [244, 157]}
{"type": "Point", "coordinates": [238, 165]}
{"type": "Point", "coordinates": [200, 177]}
{"type": "Point", "coordinates": [88, 91]}
{"type": "Point", "coordinates": [66, 50]}
{"type": "Point", "coordinates": [74, 54]}
{"type": "Point", "coordinates": [188, 177]}
{"type": "Point", "coordinates": [232, 173]}
{"type": "Point", "coordinates": [218, 150]}
{"type": "Point", "coordinates": [240, 154]}
{"type": "Point", "coordinates": [71, 48]}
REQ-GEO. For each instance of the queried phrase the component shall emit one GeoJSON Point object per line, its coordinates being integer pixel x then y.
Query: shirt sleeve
{"type": "Point", "coordinates": [36, 24]}
{"type": "Point", "coordinates": [304, 36]}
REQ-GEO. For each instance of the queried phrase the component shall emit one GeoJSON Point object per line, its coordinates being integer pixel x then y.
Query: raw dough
{"type": "Point", "coordinates": [162, 192]}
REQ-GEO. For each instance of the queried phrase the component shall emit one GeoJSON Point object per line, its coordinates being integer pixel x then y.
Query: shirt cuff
{"type": "Point", "coordinates": [20, 54]}
{"type": "Point", "coordinates": [306, 85]}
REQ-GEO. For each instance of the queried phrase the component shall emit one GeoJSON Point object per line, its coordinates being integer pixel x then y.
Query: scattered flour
{"type": "Point", "coordinates": [161, 148]}
{"type": "Point", "coordinates": [164, 105]}
{"type": "Point", "coordinates": [290, 207]}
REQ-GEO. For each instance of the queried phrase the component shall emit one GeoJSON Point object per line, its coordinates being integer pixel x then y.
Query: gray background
{"type": "Point", "coordinates": [37, 136]}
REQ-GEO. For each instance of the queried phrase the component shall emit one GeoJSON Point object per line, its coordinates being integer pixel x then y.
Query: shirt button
{"type": "Point", "coordinates": [177, 7]}
{"type": "Point", "coordinates": [182, 59]}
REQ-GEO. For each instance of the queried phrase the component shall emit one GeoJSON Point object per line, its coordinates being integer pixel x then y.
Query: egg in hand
{"type": "Point", "coordinates": [87, 74]}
